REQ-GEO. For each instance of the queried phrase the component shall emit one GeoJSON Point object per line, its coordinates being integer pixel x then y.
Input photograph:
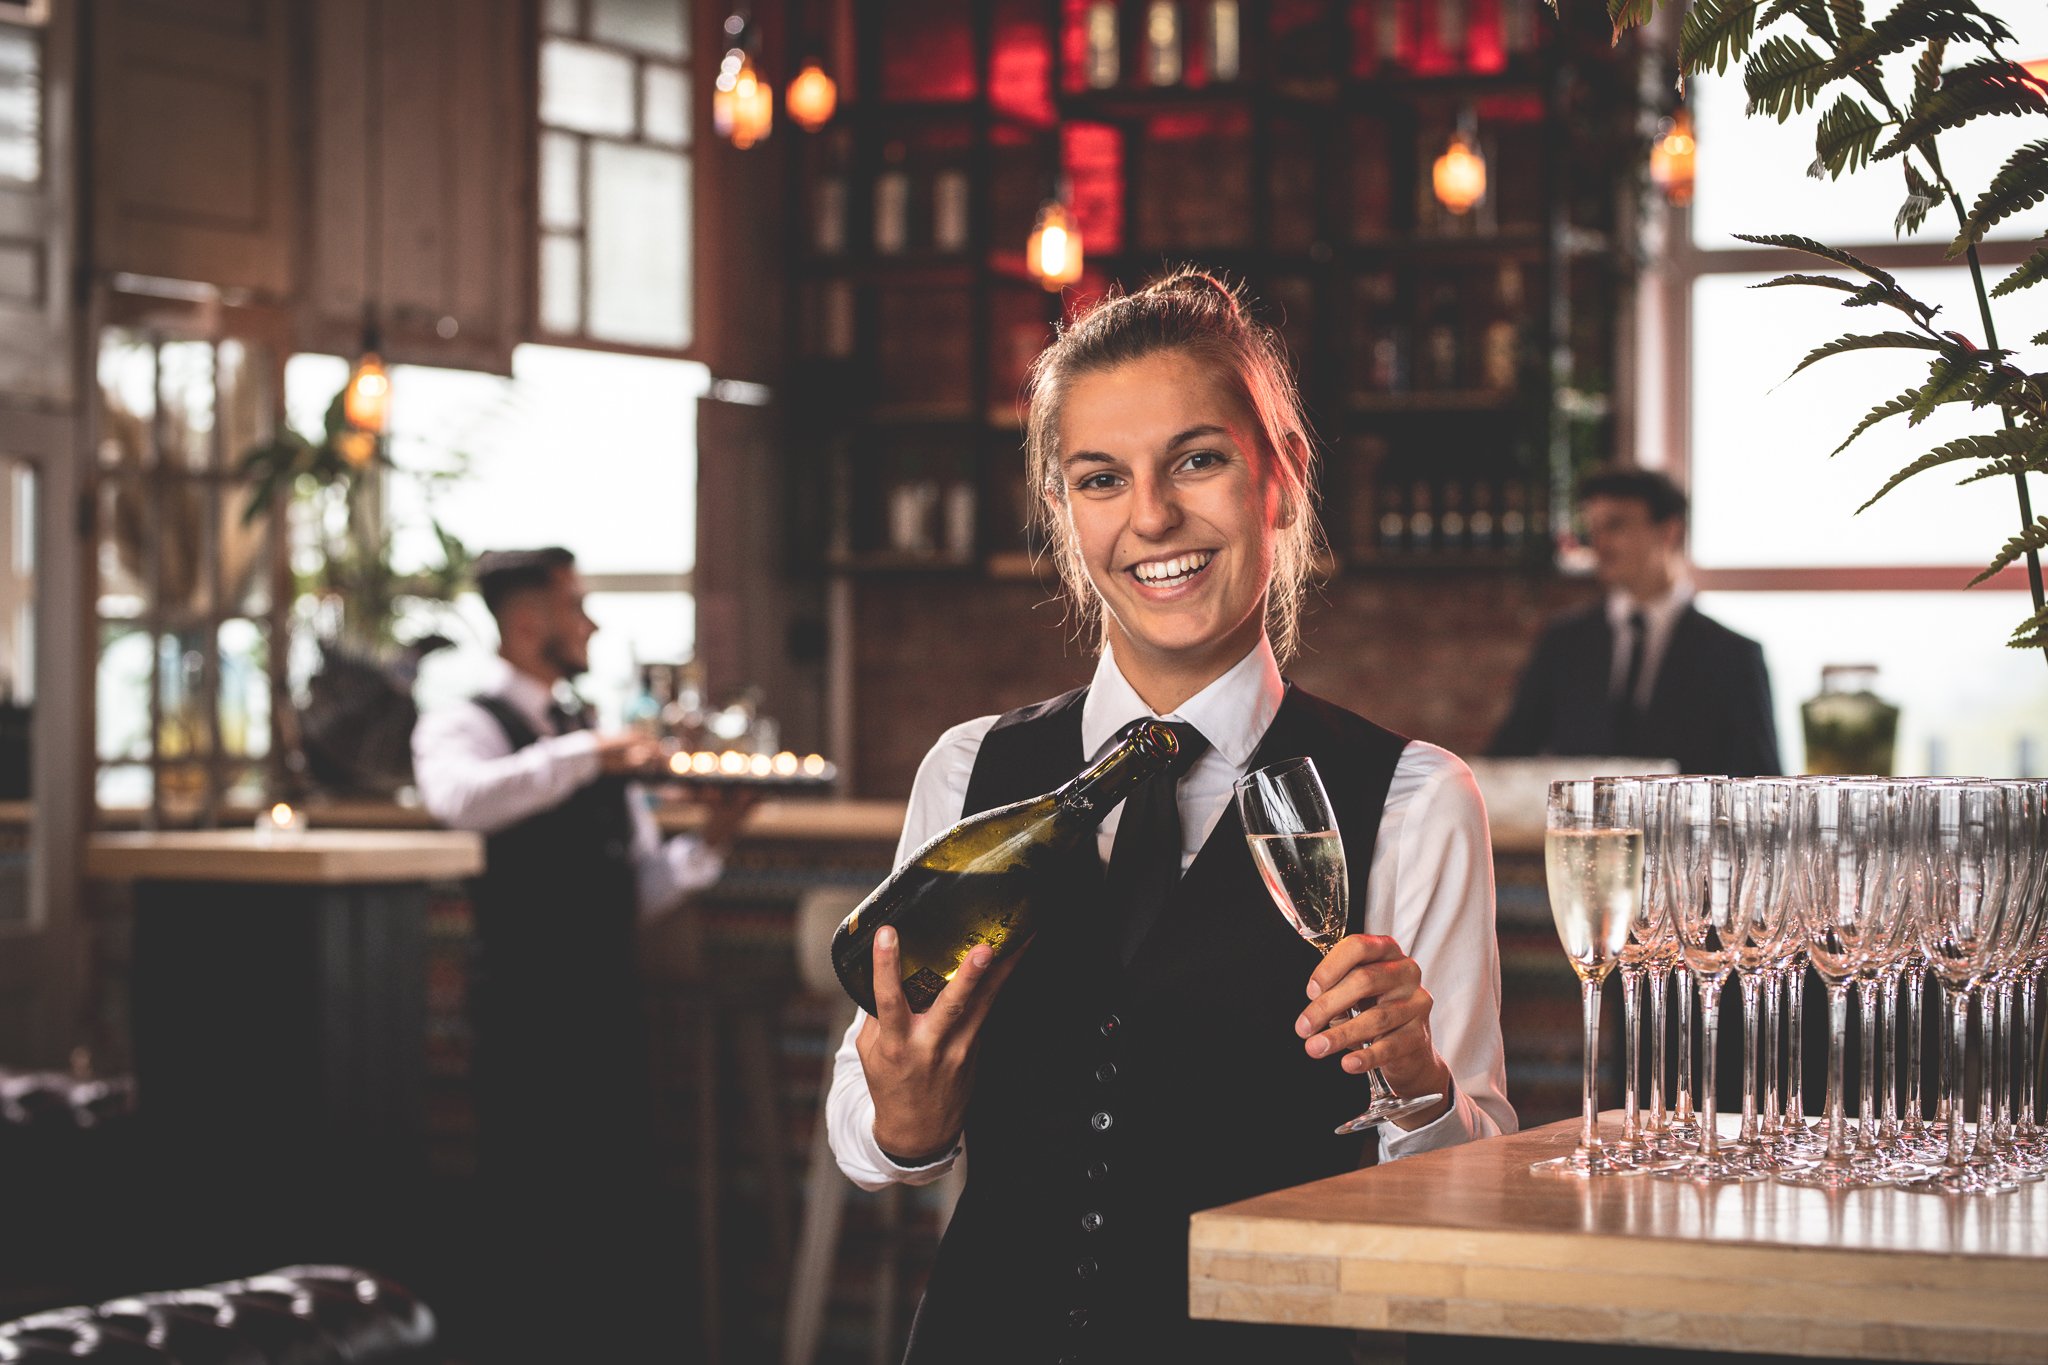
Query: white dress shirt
{"type": "Point", "coordinates": [1660, 618]}
{"type": "Point", "coordinates": [1430, 888]}
{"type": "Point", "coordinates": [470, 777]}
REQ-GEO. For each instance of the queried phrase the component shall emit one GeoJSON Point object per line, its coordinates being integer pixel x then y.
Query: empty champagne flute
{"type": "Point", "coordinates": [1765, 938]}
{"type": "Point", "coordinates": [1593, 858]}
{"type": "Point", "coordinates": [1300, 854]}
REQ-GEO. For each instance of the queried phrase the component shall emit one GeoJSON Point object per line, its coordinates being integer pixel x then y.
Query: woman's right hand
{"type": "Point", "coordinates": [920, 1067]}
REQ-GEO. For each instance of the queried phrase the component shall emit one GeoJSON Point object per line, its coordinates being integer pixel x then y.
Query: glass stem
{"type": "Point", "coordinates": [1632, 1015]}
{"type": "Point", "coordinates": [1710, 1025]}
{"type": "Point", "coordinates": [2003, 1071]}
{"type": "Point", "coordinates": [1589, 1128]}
{"type": "Point", "coordinates": [1751, 986]}
{"type": "Point", "coordinates": [1838, 1044]}
{"type": "Point", "coordinates": [1888, 1055]}
{"type": "Point", "coordinates": [1866, 1105]}
{"type": "Point", "coordinates": [1958, 1002]}
{"type": "Point", "coordinates": [1795, 1045]}
{"type": "Point", "coordinates": [1991, 1026]}
{"type": "Point", "coordinates": [1660, 982]}
{"type": "Point", "coordinates": [1684, 1055]}
{"type": "Point", "coordinates": [2029, 1061]}
{"type": "Point", "coordinates": [1767, 1092]}
{"type": "Point", "coordinates": [1916, 1019]}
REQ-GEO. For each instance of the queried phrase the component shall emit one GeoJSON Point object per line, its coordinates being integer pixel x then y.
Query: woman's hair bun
{"type": "Point", "coordinates": [1194, 283]}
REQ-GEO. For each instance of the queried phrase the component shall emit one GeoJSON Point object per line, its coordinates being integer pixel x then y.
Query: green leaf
{"type": "Point", "coordinates": [1950, 377]}
{"type": "Point", "coordinates": [2033, 538]}
{"type": "Point", "coordinates": [1881, 341]}
{"type": "Point", "coordinates": [1976, 89]}
{"type": "Point", "coordinates": [2019, 185]}
{"type": "Point", "coordinates": [1845, 136]}
{"type": "Point", "coordinates": [1997, 443]}
{"type": "Point", "coordinates": [1891, 407]}
{"type": "Point", "coordinates": [1716, 33]}
{"type": "Point", "coordinates": [1927, 71]}
{"type": "Point", "coordinates": [1794, 242]}
{"type": "Point", "coordinates": [1627, 14]}
{"type": "Point", "coordinates": [1848, 17]}
{"type": "Point", "coordinates": [2031, 633]}
{"type": "Point", "coordinates": [1783, 77]}
{"type": "Point", "coordinates": [2041, 340]}
{"type": "Point", "coordinates": [1915, 21]}
{"type": "Point", "coordinates": [2031, 272]}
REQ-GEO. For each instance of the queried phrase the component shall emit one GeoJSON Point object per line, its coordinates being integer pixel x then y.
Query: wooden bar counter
{"type": "Point", "coordinates": [1469, 1242]}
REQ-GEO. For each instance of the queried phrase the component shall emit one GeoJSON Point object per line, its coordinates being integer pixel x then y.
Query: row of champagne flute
{"type": "Point", "coordinates": [1872, 883]}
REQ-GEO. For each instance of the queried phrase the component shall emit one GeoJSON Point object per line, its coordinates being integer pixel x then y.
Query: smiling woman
{"type": "Point", "coordinates": [1167, 1043]}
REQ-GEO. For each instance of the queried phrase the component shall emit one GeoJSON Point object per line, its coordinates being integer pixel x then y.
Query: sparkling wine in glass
{"type": "Point", "coordinates": [1300, 854]}
{"type": "Point", "coordinates": [1593, 855]}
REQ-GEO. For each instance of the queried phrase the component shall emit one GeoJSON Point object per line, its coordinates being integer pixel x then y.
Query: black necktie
{"type": "Point", "coordinates": [1144, 865]}
{"type": "Point", "coordinates": [565, 721]}
{"type": "Point", "coordinates": [1625, 712]}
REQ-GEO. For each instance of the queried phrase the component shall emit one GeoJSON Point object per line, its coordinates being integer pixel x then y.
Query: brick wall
{"type": "Point", "coordinates": [1433, 656]}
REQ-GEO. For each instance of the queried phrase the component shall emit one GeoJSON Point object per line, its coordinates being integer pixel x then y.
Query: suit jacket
{"type": "Point", "coordinates": [1710, 708]}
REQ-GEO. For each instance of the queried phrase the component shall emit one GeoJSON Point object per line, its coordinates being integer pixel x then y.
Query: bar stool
{"type": "Point", "coordinates": [818, 914]}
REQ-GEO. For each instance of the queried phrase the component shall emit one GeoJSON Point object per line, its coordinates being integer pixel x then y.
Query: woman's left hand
{"type": "Point", "coordinates": [1391, 1032]}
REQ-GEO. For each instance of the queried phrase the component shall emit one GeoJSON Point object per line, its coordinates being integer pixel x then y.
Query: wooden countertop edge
{"type": "Point", "coordinates": [331, 857]}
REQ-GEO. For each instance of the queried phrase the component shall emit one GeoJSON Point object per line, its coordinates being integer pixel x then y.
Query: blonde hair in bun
{"type": "Point", "coordinates": [1193, 312]}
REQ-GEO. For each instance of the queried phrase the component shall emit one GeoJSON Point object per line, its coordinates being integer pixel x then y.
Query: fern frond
{"type": "Point", "coordinates": [1794, 242]}
{"type": "Point", "coordinates": [1716, 33]}
{"type": "Point", "coordinates": [2035, 537]}
{"type": "Point", "coordinates": [1995, 445]}
{"type": "Point", "coordinates": [2031, 272]}
{"type": "Point", "coordinates": [1920, 198]}
{"type": "Point", "coordinates": [1978, 89]}
{"type": "Point", "coordinates": [1627, 14]}
{"type": "Point", "coordinates": [1845, 136]}
{"type": "Point", "coordinates": [2032, 461]}
{"type": "Point", "coordinates": [1891, 407]}
{"type": "Point", "coordinates": [2031, 633]}
{"type": "Point", "coordinates": [2021, 183]}
{"type": "Point", "coordinates": [1880, 341]}
{"type": "Point", "coordinates": [1915, 21]}
{"type": "Point", "coordinates": [1783, 77]}
{"type": "Point", "coordinates": [1953, 375]}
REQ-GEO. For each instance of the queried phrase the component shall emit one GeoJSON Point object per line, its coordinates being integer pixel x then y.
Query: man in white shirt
{"type": "Point", "coordinates": [573, 861]}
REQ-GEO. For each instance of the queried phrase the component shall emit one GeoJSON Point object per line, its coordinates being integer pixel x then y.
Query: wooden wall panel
{"type": "Point", "coordinates": [194, 142]}
{"type": "Point", "coordinates": [422, 121]}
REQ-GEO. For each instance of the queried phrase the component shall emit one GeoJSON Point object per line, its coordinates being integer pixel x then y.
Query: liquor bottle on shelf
{"type": "Point", "coordinates": [949, 209]}
{"type": "Point", "coordinates": [892, 204]}
{"type": "Point", "coordinates": [1363, 458]}
{"type": "Point", "coordinates": [983, 880]}
{"type": "Point", "coordinates": [1104, 65]}
{"type": "Point", "coordinates": [958, 515]}
{"type": "Point", "coordinates": [1501, 358]}
{"type": "Point", "coordinates": [1421, 517]}
{"type": "Point", "coordinates": [912, 503]}
{"type": "Point", "coordinates": [1514, 521]}
{"type": "Point", "coordinates": [1440, 349]}
{"type": "Point", "coordinates": [1162, 43]}
{"type": "Point", "coordinates": [1480, 523]}
{"type": "Point", "coordinates": [1393, 525]}
{"type": "Point", "coordinates": [835, 322]}
{"type": "Point", "coordinates": [828, 215]}
{"type": "Point", "coordinates": [1452, 523]}
{"type": "Point", "coordinates": [1226, 46]}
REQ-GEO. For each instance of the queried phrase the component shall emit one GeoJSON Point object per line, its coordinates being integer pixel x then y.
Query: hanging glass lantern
{"type": "Point", "coordinates": [1054, 251]}
{"type": "Point", "coordinates": [742, 104]}
{"type": "Point", "coordinates": [813, 96]}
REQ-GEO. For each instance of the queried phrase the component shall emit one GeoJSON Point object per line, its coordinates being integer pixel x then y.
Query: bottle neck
{"type": "Point", "coordinates": [1144, 752]}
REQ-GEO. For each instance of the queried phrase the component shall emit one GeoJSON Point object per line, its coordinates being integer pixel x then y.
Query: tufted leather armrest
{"type": "Point", "coordinates": [301, 1315]}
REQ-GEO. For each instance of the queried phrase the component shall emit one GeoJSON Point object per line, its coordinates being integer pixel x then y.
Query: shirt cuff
{"type": "Point", "coordinates": [911, 1175]}
{"type": "Point", "coordinates": [1448, 1129]}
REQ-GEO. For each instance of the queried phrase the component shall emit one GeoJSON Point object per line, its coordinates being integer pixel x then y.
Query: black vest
{"type": "Point", "coordinates": [1112, 1102]}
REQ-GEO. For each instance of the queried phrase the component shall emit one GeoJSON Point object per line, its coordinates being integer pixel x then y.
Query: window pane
{"type": "Point", "coordinates": [561, 16]}
{"type": "Point", "coordinates": [1752, 171]}
{"type": "Point", "coordinates": [586, 88]}
{"type": "Point", "coordinates": [561, 181]}
{"type": "Point", "coordinates": [310, 383]}
{"type": "Point", "coordinates": [666, 99]}
{"type": "Point", "coordinates": [1765, 492]}
{"type": "Point", "coordinates": [1967, 704]}
{"type": "Point", "coordinates": [639, 246]}
{"type": "Point", "coordinates": [658, 26]}
{"type": "Point", "coordinates": [561, 285]}
{"type": "Point", "coordinates": [187, 391]}
{"type": "Point", "coordinates": [21, 105]}
{"type": "Point", "coordinates": [244, 690]}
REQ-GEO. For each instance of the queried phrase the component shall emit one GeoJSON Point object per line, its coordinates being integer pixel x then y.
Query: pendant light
{"type": "Point", "coordinates": [1671, 159]}
{"type": "Point", "coordinates": [813, 96]}
{"type": "Point", "coordinates": [365, 404]}
{"type": "Point", "coordinates": [742, 104]}
{"type": "Point", "coordinates": [1459, 175]}
{"type": "Point", "coordinates": [1054, 251]}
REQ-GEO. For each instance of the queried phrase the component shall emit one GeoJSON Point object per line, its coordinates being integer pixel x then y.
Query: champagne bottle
{"type": "Point", "coordinates": [979, 882]}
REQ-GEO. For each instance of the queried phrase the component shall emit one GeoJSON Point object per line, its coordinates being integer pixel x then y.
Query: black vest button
{"type": "Point", "coordinates": [1101, 1121]}
{"type": "Point", "coordinates": [1091, 1221]}
{"type": "Point", "coordinates": [1077, 1317]}
{"type": "Point", "coordinates": [1106, 1072]}
{"type": "Point", "coordinates": [1098, 1170]}
{"type": "Point", "coordinates": [1111, 1025]}
{"type": "Point", "coordinates": [1086, 1267]}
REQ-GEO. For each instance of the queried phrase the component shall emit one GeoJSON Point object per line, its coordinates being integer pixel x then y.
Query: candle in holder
{"type": "Point", "coordinates": [280, 824]}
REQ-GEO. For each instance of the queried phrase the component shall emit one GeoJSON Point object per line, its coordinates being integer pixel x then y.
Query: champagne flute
{"type": "Point", "coordinates": [1300, 854]}
{"type": "Point", "coordinates": [1593, 856]}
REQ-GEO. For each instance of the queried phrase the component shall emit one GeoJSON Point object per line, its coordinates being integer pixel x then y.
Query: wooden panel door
{"type": "Point", "coordinates": [193, 111]}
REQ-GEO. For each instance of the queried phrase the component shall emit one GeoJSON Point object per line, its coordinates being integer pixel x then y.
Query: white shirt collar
{"type": "Point", "coordinates": [1660, 611]}
{"type": "Point", "coordinates": [1232, 712]}
{"type": "Point", "coordinates": [529, 696]}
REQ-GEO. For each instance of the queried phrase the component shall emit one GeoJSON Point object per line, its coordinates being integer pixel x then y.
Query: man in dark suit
{"type": "Point", "coordinates": [1643, 673]}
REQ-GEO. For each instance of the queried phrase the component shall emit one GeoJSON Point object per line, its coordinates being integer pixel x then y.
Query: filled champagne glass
{"type": "Point", "coordinates": [1593, 858]}
{"type": "Point", "coordinates": [1300, 855]}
